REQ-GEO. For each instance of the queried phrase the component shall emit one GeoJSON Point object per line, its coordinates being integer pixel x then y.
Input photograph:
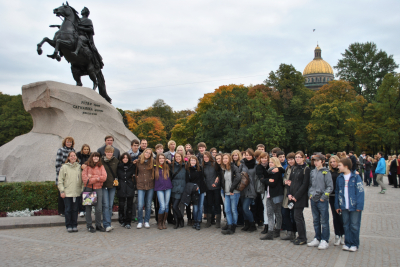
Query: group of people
{"type": "Point", "coordinates": [253, 187]}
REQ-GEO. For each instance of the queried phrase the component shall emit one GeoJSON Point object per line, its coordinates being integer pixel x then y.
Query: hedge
{"type": "Point", "coordinates": [28, 195]}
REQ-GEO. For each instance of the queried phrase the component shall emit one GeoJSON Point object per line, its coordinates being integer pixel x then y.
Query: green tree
{"type": "Point", "coordinates": [364, 66]}
{"type": "Point", "coordinates": [14, 120]}
{"type": "Point", "coordinates": [290, 97]}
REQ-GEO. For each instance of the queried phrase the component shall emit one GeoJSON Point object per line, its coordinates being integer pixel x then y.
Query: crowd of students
{"type": "Point", "coordinates": [253, 187]}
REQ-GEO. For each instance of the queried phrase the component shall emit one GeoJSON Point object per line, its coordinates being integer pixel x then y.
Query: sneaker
{"type": "Point", "coordinates": [127, 226]}
{"type": "Point", "coordinates": [313, 243]}
{"type": "Point", "coordinates": [337, 240]}
{"type": "Point", "coordinates": [108, 229]}
{"type": "Point", "coordinates": [122, 224]}
{"type": "Point", "coordinates": [346, 248]}
{"type": "Point", "coordinates": [297, 242]}
{"type": "Point", "coordinates": [342, 240]}
{"type": "Point", "coordinates": [74, 229]}
{"type": "Point", "coordinates": [91, 229]}
{"type": "Point", "coordinates": [353, 249]}
{"type": "Point", "coordinates": [69, 230]}
{"type": "Point", "coordinates": [146, 225]}
{"type": "Point", "coordinates": [139, 226]}
{"type": "Point", "coordinates": [382, 192]}
{"type": "Point", "coordinates": [81, 214]}
{"type": "Point", "coordinates": [112, 227]}
{"type": "Point", "coordinates": [323, 245]}
{"type": "Point", "coordinates": [100, 228]}
{"type": "Point", "coordinates": [135, 220]}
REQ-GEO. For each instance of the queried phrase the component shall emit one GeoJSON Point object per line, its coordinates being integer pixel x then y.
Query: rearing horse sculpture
{"type": "Point", "coordinates": [85, 62]}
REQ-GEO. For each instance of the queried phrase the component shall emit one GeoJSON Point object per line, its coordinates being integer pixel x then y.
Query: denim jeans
{"type": "Point", "coordinates": [163, 199]}
{"type": "Point", "coordinates": [320, 213]}
{"type": "Point", "coordinates": [71, 211]}
{"type": "Point", "coordinates": [198, 209]}
{"type": "Point", "coordinates": [108, 201]}
{"type": "Point", "coordinates": [231, 203]}
{"type": "Point", "coordinates": [351, 225]}
{"type": "Point", "coordinates": [144, 198]}
{"type": "Point", "coordinates": [274, 209]}
{"type": "Point", "coordinates": [248, 215]}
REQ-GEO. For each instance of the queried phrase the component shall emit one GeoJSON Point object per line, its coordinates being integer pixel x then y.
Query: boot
{"type": "Point", "coordinates": [225, 227]}
{"type": "Point", "coordinates": [227, 231]}
{"type": "Point", "coordinates": [159, 222]}
{"type": "Point", "coordinates": [190, 222]}
{"type": "Point", "coordinates": [198, 226]}
{"type": "Point", "coordinates": [265, 229]}
{"type": "Point", "coordinates": [253, 227]}
{"type": "Point", "coordinates": [289, 236]}
{"type": "Point", "coordinates": [181, 222]}
{"type": "Point", "coordinates": [208, 224]}
{"type": "Point", "coordinates": [233, 228]}
{"type": "Point", "coordinates": [176, 225]}
{"type": "Point", "coordinates": [218, 221]}
{"type": "Point", "coordinates": [268, 236]}
{"type": "Point", "coordinates": [212, 220]}
{"type": "Point", "coordinates": [246, 225]}
{"type": "Point", "coordinates": [164, 224]}
{"type": "Point", "coordinates": [194, 224]}
{"type": "Point", "coordinates": [277, 233]}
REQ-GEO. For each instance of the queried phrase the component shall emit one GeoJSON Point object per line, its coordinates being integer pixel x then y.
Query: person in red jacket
{"type": "Point", "coordinates": [93, 177]}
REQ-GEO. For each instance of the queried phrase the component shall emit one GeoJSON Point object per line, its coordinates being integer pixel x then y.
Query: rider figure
{"type": "Point", "coordinates": [86, 32]}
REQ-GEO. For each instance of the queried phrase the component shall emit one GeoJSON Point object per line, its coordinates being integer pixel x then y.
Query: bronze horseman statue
{"type": "Point", "coordinates": [74, 41]}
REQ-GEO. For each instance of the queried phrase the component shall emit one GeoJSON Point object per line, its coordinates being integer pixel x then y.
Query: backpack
{"type": "Point", "coordinates": [244, 181]}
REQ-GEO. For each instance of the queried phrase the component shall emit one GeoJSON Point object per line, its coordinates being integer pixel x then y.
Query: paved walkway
{"type": "Point", "coordinates": [52, 246]}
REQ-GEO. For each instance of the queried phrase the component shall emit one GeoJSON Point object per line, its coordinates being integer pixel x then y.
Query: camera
{"type": "Point", "coordinates": [291, 205]}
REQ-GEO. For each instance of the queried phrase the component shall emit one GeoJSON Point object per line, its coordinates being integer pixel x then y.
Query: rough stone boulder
{"type": "Point", "coordinates": [59, 110]}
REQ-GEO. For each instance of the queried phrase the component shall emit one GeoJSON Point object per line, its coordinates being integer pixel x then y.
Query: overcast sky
{"type": "Point", "coordinates": [180, 50]}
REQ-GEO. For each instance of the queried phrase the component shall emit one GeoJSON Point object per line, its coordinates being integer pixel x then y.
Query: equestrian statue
{"type": "Point", "coordinates": [74, 41]}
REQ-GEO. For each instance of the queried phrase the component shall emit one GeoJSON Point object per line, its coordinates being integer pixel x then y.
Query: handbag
{"type": "Point", "coordinates": [244, 181]}
{"type": "Point", "coordinates": [260, 187]}
{"type": "Point", "coordinates": [371, 175]}
{"type": "Point", "coordinates": [89, 196]}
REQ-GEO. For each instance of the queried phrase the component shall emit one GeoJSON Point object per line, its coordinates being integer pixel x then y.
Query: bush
{"type": "Point", "coordinates": [28, 195]}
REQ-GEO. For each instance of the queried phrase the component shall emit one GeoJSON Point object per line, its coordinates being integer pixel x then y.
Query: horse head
{"type": "Point", "coordinates": [66, 11]}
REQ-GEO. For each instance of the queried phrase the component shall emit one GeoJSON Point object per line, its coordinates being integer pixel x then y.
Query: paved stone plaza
{"type": "Point", "coordinates": [52, 246]}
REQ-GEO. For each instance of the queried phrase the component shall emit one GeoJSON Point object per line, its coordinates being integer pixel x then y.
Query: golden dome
{"type": "Point", "coordinates": [319, 48]}
{"type": "Point", "coordinates": [318, 65]}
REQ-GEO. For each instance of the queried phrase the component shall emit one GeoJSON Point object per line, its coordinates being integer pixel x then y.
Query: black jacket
{"type": "Point", "coordinates": [368, 166]}
{"type": "Point", "coordinates": [196, 177]}
{"type": "Point", "coordinates": [300, 177]}
{"type": "Point", "coordinates": [211, 171]}
{"type": "Point", "coordinates": [353, 162]}
{"type": "Point", "coordinates": [374, 165]}
{"type": "Point", "coordinates": [178, 179]}
{"type": "Point", "coordinates": [190, 195]}
{"type": "Point", "coordinates": [126, 180]}
{"type": "Point", "coordinates": [82, 157]}
{"type": "Point", "coordinates": [235, 178]}
{"type": "Point", "coordinates": [334, 174]}
{"type": "Point", "coordinates": [393, 167]}
{"type": "Point", "coordinates": [275, 187]}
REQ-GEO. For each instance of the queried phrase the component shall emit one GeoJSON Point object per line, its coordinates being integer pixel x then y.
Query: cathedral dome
{"type": "Point", "coordinates": [318, 65]}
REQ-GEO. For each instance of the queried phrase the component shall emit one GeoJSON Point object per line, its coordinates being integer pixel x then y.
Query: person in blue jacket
{"type": "Point", "coordinates": [380, 171]}
{"type": "Point", "coordinates": [349, 201]}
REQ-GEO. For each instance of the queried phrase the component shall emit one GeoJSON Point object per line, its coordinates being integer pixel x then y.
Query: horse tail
{"type": "Point", "coordinates": [102, 86]}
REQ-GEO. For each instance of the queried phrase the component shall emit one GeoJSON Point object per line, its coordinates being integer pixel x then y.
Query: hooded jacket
{"type": "Point", "coordinates": [96, 172]}
{"type": "Point", "coordinates": [249, 167]}
{"type": "Point", "coordinates": [356, 193]}
{"type": "Point", "coordinates": [235, 178]}
{"type": "Point", "coordinates": [178, 176]}
{"type": "Point", "coordinates": [211, 171]}
{"type": "Point", "coordinates": [381, 168]}
{"type": "Point", "coordinates": [111, 166]}
{"type": "Point", "coordinates": [321, 184]}
{"type": "Point", "coordinates": [126, 180]}
{"type": "Point", "coordinates": [70, 180]}
{"type": "Point", "coordinates": [300, 177]}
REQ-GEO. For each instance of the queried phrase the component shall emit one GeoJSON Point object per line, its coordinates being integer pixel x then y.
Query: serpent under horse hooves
{"type": "Point", "coordinates": [74, 41]}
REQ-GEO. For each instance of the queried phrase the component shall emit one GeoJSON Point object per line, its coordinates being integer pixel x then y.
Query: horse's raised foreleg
{"type": "Point", "coordinates": [57, 48]}
{"type": "Point", "coordinates": [45, 39]}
